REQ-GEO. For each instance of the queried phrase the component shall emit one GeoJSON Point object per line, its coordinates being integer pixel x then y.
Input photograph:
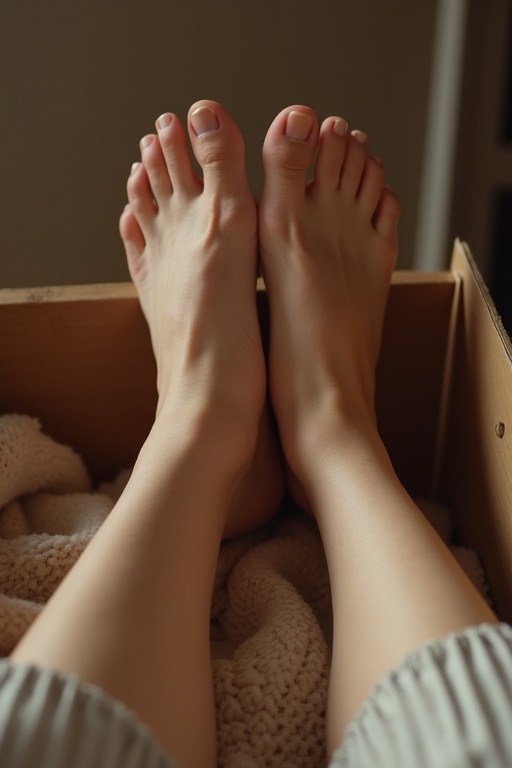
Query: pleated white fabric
{"type": "Point", "coordinates": [49, 720]}
{"type": "Point", "coordinates": [449, 705]}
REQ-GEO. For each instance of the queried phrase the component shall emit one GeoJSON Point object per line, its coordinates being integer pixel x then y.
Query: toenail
{"type": "Point", "coordinates": [163, 121]}
{"type": "Point", "coordinates": [135, 167]}
{"type": "Point", "coordinates": [204, 120]}
{"type": "Point", "coordinates": [340, 126]}
{"type": "Point", "coordinates": [359, 136]}
{"type": "Point", "coordinates": [146, 141]}
{"type": "Point", "coordinates": [298, 126]}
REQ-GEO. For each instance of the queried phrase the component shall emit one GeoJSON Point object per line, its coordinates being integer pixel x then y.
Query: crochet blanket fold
{"type": "Point", "coordinates": [271, 611]}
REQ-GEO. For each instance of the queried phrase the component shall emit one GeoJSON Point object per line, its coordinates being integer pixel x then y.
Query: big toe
{"type": "Point", "coordinates": [288, 152]}
{"type": "Point", "coordinates": [218, 146]}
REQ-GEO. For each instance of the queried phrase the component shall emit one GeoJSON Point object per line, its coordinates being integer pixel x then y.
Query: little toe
{"type": "Point", "coordinates": [354, 163]}
{"type": "Point", "coordinates": [387, 214]}
{"type": "Point", "coordinates": [219, 148]}
{"type": "Point", "coordinates": [331, 152]}
{"type": "Point", "coordinates": [174, 148]}
{"type": "Point", "coordinates": [140, 198]}
{"type": "Point", "coordinates": [133, 240]}
{"type": "Point", "coordinates": [156, 168]}
{"type": "Point", "coordinates": [372, 182]}
{"type": "Point", "coordinates": [288, 152]}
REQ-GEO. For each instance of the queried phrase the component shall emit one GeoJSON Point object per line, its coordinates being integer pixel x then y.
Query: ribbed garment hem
{"type": "Point", "coordinates": [52, 720]}
{"type": "Point", "coordinates": [449, 705]}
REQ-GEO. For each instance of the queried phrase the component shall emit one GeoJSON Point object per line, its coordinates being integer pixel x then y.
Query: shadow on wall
{"type": "Point", "coordinates": [84, 81]}
{"type": "Point", "coordinates": [501, 243]}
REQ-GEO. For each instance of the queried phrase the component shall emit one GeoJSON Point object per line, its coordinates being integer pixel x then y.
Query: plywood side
{"type": "Point", "coordinates": [477, 472]}
{"type": "Point", "coordinates": [80, 359]}
{"type": "Point", "coordinates": [85, 368]}
{"type": "Point", "coordinates": [410, 375]}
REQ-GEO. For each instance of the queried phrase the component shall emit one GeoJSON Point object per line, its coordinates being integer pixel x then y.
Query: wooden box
{"type": "Point", "coordinates": [80, 359]}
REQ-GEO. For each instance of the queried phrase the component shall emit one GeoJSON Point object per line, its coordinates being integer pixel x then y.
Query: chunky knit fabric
{"type": "Point", "coordinates": [271, 614]}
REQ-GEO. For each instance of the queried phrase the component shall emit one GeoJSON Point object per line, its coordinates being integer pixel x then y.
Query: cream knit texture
{"type": "Point", "coordinates": [271, 612]}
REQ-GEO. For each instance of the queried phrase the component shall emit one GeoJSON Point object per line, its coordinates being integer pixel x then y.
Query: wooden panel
{"type": "Point", "coordinates": [477, 473]}
{"type": "Point", "coordinates": [410, 373]}
{"type": "Point", "coordinates": [80, 359]}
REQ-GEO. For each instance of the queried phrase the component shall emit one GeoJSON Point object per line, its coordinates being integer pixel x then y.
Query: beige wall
{"type": "Point", "coordinates": [84, 80]}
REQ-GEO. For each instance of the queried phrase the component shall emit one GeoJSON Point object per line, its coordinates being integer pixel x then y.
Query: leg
{"type": "Point", "coordinates": [133, 615]}
{"type": "Point", "coordinates": [165, 162]}
{"type": "Point", "coordinates": [328, 248]}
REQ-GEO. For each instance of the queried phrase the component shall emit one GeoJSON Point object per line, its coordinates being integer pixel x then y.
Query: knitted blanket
{"type": "Point", "coordinates": [271, 614]}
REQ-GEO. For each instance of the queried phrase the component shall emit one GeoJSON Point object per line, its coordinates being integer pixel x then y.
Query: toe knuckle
{"type": "Point", "coordinates": [137, 203]}
{"type": "Point", "coordinates": [291, 161]}
{"type": "Point", "coordinates": [214, 157]}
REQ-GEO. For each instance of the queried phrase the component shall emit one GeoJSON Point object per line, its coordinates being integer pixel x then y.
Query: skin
{"type": "Point", "coordinates": [327, 251]}
{"type": "Point", "coordinates": [193, 258]}
{"type": "Point", "coordinates": [330, 245]}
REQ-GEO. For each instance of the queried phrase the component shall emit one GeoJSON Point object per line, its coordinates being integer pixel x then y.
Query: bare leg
{"type": "Point", "coordinates": [166, 174]}
{"type": "Point", "coordinates": [328, 249]}
{"type": "Point", "coordinates": [133, 615]}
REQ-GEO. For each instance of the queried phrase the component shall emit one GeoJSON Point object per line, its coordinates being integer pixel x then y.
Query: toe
{"type": "Point", "coordinates": [354, 163]}
{"type": "Point", "coordinates": [218, 147]}
{"type": "Point", "coordinates": [387, 215]}
{"type": "Point", "coordinates": [370, 189]}
{"type": "Point", "coordinates": [174, 147]}
{"type": "Point", "coordinates": [156, 169]}
{"type": "Point", "coordinates": [331, 152]}
{"type": "Point", "coordinates": [133, 241]}
{"type": "Point", "coordinates": [141, 199]}
{"type": "Point", "coordinates": [288, 152]}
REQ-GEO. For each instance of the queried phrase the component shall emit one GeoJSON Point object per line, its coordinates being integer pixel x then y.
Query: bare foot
{"type": "Point", "coordinates": [191, 246]}
{"type": "Point", "coordinates": [328, 248]}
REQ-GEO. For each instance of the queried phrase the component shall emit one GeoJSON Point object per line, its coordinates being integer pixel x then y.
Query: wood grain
{"type": "Point", "coordinates": [477, 468]}
{"type": "Point", "coordinates": [79, 358]}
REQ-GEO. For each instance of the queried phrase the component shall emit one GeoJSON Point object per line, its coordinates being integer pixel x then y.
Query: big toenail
{"type": "Point", "coordinates": [146, 141]}
{"type": "Point", "coordinates": [340, 126]}
{"type": "Point", "coordinates": [135, 167]}
{"type": "Point", "coordinates": [359, 136]}
{"type": "Point", "coordinates": [204, 120]}
{"type": "Point", "coordinates": [298, 126]}
{"type": "Point", "coordinates": [163, 121]}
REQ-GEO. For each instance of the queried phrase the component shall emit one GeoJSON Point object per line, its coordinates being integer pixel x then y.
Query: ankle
{"type": "Point", "coordinates": [213, 429]}
{"type": "Point", "coordinates": [332, 432]}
